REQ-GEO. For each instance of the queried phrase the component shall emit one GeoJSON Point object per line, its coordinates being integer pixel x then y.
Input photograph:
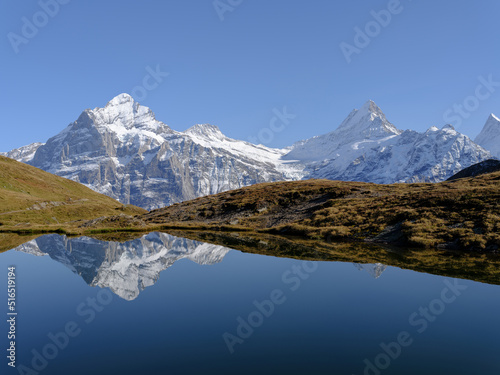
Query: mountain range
{"type": "Point", "coordinates": [124, 152]}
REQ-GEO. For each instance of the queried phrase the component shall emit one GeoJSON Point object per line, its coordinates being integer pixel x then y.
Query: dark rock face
{"type": "Point", "coordinates": [487, 166]}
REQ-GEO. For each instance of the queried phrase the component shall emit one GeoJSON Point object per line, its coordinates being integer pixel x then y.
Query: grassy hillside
{"type": "Point", "coordinates": [460, 214]}
{"type": "Point", "coordinates": [32, 198]}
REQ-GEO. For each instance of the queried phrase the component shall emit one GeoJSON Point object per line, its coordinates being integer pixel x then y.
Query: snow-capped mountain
{"type": "Point", "coordinates": [23, 154]}
{"type": "Point", "coordinates": [489, 138]}
{"type": "Point", "coordinates": [411, 156]}
{"type": "Point", "coordinates": [123, 151]}
{"type": "Point", "coordinates": [367, 147]}
{"type": "Point", "coordinates": [361, 129]}
{"type": "Point", "coordinates": [125, 268]}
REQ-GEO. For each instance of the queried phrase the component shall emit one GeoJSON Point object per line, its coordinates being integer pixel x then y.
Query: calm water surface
{"type": "Point", "coordinates": [166, 305]}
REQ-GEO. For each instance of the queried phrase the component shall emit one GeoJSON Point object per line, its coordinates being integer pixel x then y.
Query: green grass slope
{"type": "Point", "coordinates": [30, 197]}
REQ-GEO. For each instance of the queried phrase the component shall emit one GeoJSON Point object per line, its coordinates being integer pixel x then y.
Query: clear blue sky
{"type": "Point", "coordinates": [265, 54]}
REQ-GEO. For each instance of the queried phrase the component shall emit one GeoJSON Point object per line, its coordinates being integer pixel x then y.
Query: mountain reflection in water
{"type": "Point", "coordinates": [125, 268]}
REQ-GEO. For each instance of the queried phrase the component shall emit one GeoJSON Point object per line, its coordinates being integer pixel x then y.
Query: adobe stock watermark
{"type": "Point", "coordinates": [58, 341]}
{"type": "Point", "coordinates": [264, 309]}
{"type": "Point", "coordinates": [32, 25]}
{"type": "Point", "coordinates": [421, 320]}
{"type": "Point", "coordinates": [223, 6]}
{"type": "Point", "coordinates": [277, 124]}
{"type": "Point", "coordinates": [149, 82]}
{"type": "Point", "coordinates": [461, 111]}
{"type": "Point", "coordinates": [363, 36]}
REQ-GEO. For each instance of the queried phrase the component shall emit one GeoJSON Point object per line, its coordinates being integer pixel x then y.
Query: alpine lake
{"type": "Point", "coordinates": [234, 303]}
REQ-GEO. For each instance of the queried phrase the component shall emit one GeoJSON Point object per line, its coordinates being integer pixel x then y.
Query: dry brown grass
{"type": "Point", "coordinates": [461, 214]}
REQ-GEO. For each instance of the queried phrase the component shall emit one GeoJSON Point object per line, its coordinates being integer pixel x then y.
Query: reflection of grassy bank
{"type": "Point", "coordinates": [75, 230]}
{"type": "Point", "coordinates": [478, 267]}
{"type": "Point", "coordinates": [473, 266]}
{"type": "Point", "coordinates": [10, 240]}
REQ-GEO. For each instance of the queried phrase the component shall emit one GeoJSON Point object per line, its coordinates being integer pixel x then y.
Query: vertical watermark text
{"type": "Point", "coordinates": [11, 315]}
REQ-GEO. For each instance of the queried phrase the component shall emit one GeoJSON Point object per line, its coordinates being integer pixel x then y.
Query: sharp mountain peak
{"type": "Point", "coordinates": [122, 151]}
